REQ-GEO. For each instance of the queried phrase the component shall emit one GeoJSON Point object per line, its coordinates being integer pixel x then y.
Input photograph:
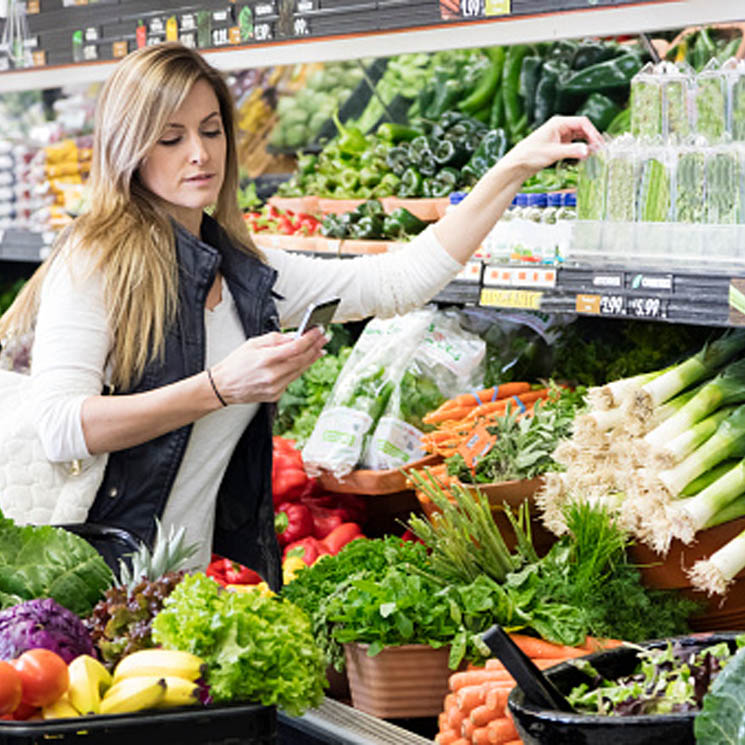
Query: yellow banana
{"type": "Point", "coordinates": [179, 692]}
{"type": "Point", "coordinates": [60, 709]}
{"type": "Point", "coordinates": [88, 681]}
{"type": "Point", "coordinates": [160, 662]}
{"type": "Point", "coordinates": [134, 694]}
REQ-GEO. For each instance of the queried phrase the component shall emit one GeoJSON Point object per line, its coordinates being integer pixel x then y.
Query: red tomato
{"type": "Point", "coordinates": [44, 676]}
{"type": "Point", "coordinates": [10, 688]}
{"type": "Point", "coordinates": [24, 712]}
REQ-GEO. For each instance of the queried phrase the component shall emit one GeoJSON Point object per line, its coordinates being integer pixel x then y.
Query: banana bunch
{"type": "Point", "coordinates": [146, 679]}
{"type": "Point", "coordinates": [254, 112]}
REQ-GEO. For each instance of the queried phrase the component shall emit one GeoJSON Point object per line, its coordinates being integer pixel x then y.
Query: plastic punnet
{"type": "Point", "coordinates": [676, 87]}
{"type": "Point", "coordinates": [591, 187]}
{"type": "Point", "coordinates": [646, 102]}
{"type": "Point", "coordinates": [736, 98]}
{"type": "Point", "coordinates": [723, 185]}
{"type": "Point", "coordinates": [690, 185]}
{"type": "Point", "coordinates": [620, 200]}
{"type": "Point", "coordinates": [655, 185]}
{"type": "Point", "coordinates": [710, 102]}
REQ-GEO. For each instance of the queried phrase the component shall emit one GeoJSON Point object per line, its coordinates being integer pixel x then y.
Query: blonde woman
{"type": "Point", "coordinates": [180, 312]}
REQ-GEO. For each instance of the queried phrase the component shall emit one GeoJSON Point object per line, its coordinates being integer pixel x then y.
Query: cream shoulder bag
{"type": "Point", "coordinates": [34, 490]}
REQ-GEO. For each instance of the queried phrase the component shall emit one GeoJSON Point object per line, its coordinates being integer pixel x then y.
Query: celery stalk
{"type": "Point", "coordinates": [728, 441]}
{"type": "Point", "coordinates": [726, 388]}
{"type": "Point", "coordinates": [690, 515]}
{"type": "Point", "coordinates": [714, 575]}
{"type": "Point", "coordinates": [702, 365]}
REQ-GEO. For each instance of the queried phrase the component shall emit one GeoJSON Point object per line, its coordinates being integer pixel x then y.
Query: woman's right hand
{"type": "Point", "coordinates": [262, 367]}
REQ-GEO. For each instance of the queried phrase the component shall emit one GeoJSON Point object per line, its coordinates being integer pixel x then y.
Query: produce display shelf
{"type": "Point", "coordinates": [24, 246]}
{"type": "Point", "coordinates": [335, 723]}
{"type": "Point", "coordinates": [527, 23]}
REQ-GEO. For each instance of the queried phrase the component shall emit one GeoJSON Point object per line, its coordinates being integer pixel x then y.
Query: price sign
{"type": "Point", "coordinates": [90, 52]}
{"type": "Point", "coordinates": [39, 59]}
{"type": "Point", "coordinates": [220, 37]}
{"type": "Point", "coordinates": [263, 32]}
{"type": "Point", "coordinates": [612, 305]}
{"type": "Point", "coordinates": [647, 307]}
{"type": "Point", "coordinates": [91, 34]}
{"type": "Point", "coordinates": [156, 25]}
{"type": "Point", "coordinates": [525, 299]}
{"type": "Point", "coordinates": [452, 10]}
{"type": "Point", "coordinates": [119, 49]}
{"type": "Point", "coordinates": [471, 8]}
{"type": "Point", "coordinates": [32, 6]}
{"type": "Point", "coordinates": [304, 6]}
{"type": "Point", "coordinates": [301, 27]}
{"type": "Point", "coordinates": [265, 9]}
{"type": "Point", "coordinates": [188, 39]}
{"type": "Point", "coordinates": [188, 22]}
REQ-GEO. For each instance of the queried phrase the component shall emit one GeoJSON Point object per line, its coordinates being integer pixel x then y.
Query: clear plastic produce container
{"type": "Point", "coordinates": [591, 186]}
{"type": "Point", "coordinates": [677, 81]}
{"type": "Point", "coordinates": [690, 184]}
{"type": "Point", "coordinates": [655, 185]}
{"type": "Point", "coordinates": [710, 102]}
{"type": "Point", "coordinates": [736, 99]}
{"type": "Point", "coordinates": [723, 179]}
{"type": "Point", "coordinates": [646, 102]}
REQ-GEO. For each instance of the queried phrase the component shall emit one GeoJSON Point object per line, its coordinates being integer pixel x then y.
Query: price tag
{"type": "Point", "coordinates": [189, 39]}
{"type": "Point", "coordinates": [90, 52]}
{"type": "Point", "coordinates": [32, 7]}
{"type": "Point", "coordinates": [220, 37]}
{"type": "Point", "coordinates": [31, 42]}
{"type": "Point", "coordinates": [305, 6]}
{"type": "Point", "coordinates": [525, 299]}
{"type": "Point", "coordinates": [301, 27]}
{"type": "Point", "coordinates": [119, 49]}
{"type": "Point", "coordinates": [91, 34]}
{"type": "Point", "coordinates": [605, 305]}
{"type": "Point", "coordinates": [661, 282]}
{"type": "Point", "coordinates": [471, 272]}
{"type": "Point", "coordinates": [220, 16]}
{"type": "Point", "coordinates": [39, 58]}
{"type": "Point", "coordinates": [141, 36]}
{"type": "Point", "coordinates": [263, 32]}
{"type": "Point", "coordinates": [234, 34]}
{"type": "Point", "coordinates": [477, 445]}
{"type": "Point", "coordinates": [156, 25]}
{"type": "Point", "coordinates": [497, 7]}
{"type": "Point", "coordinates": [265, 9]}
{"type": "Point", "coordinates": [647, 307]}
{"type": "Point", "coordinates": [188, 22]}
{"type": "Point", "coordinates": [608, 280]}
{"type": "Point", "coordinates": [471, 8]}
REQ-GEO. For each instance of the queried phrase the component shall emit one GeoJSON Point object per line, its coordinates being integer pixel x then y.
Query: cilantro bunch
{"type": "Point", "coordinates": [256, 648]}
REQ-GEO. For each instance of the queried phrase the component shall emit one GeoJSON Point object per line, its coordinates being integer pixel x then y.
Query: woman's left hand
{"type": "Point", "coordinates": [553, 141]}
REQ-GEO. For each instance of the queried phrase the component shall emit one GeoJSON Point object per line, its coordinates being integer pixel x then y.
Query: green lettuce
{"type": "Point", "coordinates": [256, 648]}
{"type": "Point", "coordinates": [722, 717]}
{"type": "Point", "coordinates": [47, 562]}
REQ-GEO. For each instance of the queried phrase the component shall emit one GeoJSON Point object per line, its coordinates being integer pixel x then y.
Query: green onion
{"type": "Point", "coordinates": [714, 575]}
{"type": "Point", "coordinates": [702, 365]}
{"type": "Point", "coordinates": [726, 388]}
{"type": "Point", "coordinates": [686, 442]}
{"type": "Point", "coordinates": [728, 441]}
{"type": "Point", "coordinates": [690, 515]}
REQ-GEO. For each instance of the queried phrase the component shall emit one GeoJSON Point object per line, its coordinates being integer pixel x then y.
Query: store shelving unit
{"type": "Point", "coordinates": [362, 29]}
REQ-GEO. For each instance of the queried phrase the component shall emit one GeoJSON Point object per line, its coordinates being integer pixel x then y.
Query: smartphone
{"type": "Point", "coordinates": [318, 314]}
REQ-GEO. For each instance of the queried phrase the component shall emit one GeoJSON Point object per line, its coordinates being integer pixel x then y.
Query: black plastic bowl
{"type": "Point", "coordinates": [539, 726]}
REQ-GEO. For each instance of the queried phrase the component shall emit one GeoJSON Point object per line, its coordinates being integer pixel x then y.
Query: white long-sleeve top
{"type": "Point", "coordinates": [72, 344]}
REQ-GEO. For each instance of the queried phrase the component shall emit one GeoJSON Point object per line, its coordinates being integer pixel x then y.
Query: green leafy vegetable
{"type": "Point", "coordinates": [256, 648]}
{"type": "Point", "coordinates": [722, 718]}
{"type": "Point", "coordinates": [47, 562]}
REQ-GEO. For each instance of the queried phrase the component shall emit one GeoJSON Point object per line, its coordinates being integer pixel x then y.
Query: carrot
{"type": "Point", "coordinates": [467, 728]}
{"type": "Point", "coordinates": [449, 701]}
{"type": "Point", "coordinates": [482, 715]}
{"type": "Point", "coordinates": [501, 731]}
{"type": "Point", "coordinates": [511, 742]}
{"type": "Point", "coordinates": [471, 696]}
{"type": "Point", "coordinates": [496, 699]}
{"type": "Point", "coordinates": [476, 677]}
{"type": "Point", "coordinates": [494, 663]}
{"type": "Point", "coordinates": [540, 649]}
{"type": "Point", "coordinates": [442, 721]}
{"type": "Point", "coordinates": [455, 718]}
{"type": "Point", "coordinates": [514, 402]}
{"type": "Point", "coordinates": [443, 416]}
{"type": "Point", "coordinates": [447, 737]}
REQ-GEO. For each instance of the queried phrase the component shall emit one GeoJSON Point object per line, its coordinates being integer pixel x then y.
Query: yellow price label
{"type": "Point", "coordinates": [497, 7]}
{"type": "Point", "coordinates": [525, 299]}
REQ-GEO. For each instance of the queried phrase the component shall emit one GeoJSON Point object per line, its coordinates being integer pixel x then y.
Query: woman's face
{"type": "Point", "coordinates": [186, 165]}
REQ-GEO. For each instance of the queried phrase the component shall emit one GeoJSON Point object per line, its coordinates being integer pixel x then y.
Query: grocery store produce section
{"type": "Point", "coordinates": [555, 444]}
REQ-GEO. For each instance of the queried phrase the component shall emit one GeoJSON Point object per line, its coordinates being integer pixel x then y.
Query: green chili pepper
{"type": "Point", "coordinates": [605, 76]}
{"type": "Point", "coordinates": [349, 179]}
{"type": "Point", "coordinates": [530, 74]}
{"type": "Point", "coordinates": [491, 149]}
{"type": "Point", "coordinates": [487, 85]}
{"type": "Point", "coordinates": [427, 164]}
{"type": "Point", "coordinates": [703, 50]}
{"type": "Point", "coordinates": [600, 110]}
{"type": "Point", "coordinates": [398, 159]}
{"type": "Point", "coordinates": [496, 117]}
{"type": "Point", "coordinates": [397, 132]}
{"type": "Point", "coordinates": [369, 208]}
{"type": "Point", "coordinates": [513, 108]}
{"type": "Point", "coordinates": [418, 145]}
{"type": "Point", "coordinates": [351, 140]}
{"type": "Point", "coordinates": [401, 223]}
{"type": "Point", "coordinates": [729, 49]}
{"type": "Point", "coordinates": [367, 228]}
{"type": "Point", "coordinates": [591, 53]}
{"type": "Point", "coordinates": [546, 93]}
{"type": "Point", "coordinates": [306, 164]}
{"type": "Point", "coordinates": [369, 177]}
{"type": "Point", "coordinates": [331, 227]}
{"type": "Point", "coordinates": [445, 182]}
{"type": "Point", "coordinates": [621, 123]}
{"type": "Point", "coordinates": [411, 183]}
{"type": "Point", "coordinates": [446, 97]}
{"type": "Point", "coordinates": [387, 187]}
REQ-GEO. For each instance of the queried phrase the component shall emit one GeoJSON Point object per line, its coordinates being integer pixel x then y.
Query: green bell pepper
{"type": "Point", "coordinates": [367, 228]}
{"type": "Point", "coordinates": [600, 110]}
{"type": "Point", "coordinates": [563, 49]}
{"type": "Point", "coordinates": [605, 76]}
{"type": "Point", "coordinates": [370, 177]}
{"type": "Point", "coordinates": [447, 95]}
{"type": "Point", "coordinates": [369, 208]}
{"type": "Point", "coordinates": [398, 159]}
{"type": "Point", "coordinates": [387, 187]}
{"type": "Point", "coordinates": [401, 223]}
{"type": "Point", "coordinates": [306, 164]}
{"type": "Point", "coordinates": [426, 163]}
{"type": "Point", "coordinates": [491, 149]}
{"type": "Point", "coordinates": [332, 227]}
{"type": "Point", "coordinates": [547, 91]}
{"type": "Point", "coordinates": [487, 85]}
{"type": "Point", "coordinates": [448, 153]}
{"type": "Point", "coordinates": [349, 179]}
{"type": "Point", "coordinates": [445, 182]}
{"type": "Point", "coordinates": [590, 53]}
{"type": "Point", "coordinates": [411, 183]}
{"type": "Point", "coordinates": [397, 132]}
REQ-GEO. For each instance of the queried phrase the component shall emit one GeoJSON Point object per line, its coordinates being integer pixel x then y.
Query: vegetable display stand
{"type": "Point", "coordinates": [306, 205]}
{"type": "Point", "coordinates": [365, 481]}
{"type": "Point", "coordinates": [343, 246]}
{"type": "Point", "coordinates": [428, 210]}
{"type": "Point", "coordinates": [399, 682]}
{"type": "Point", "coordinates": [285, 242]}
{"type": "Point", "coordinates": [670, 573]}
{"type": "Point", "coordinates": [512, 493]}
{"type": "Point", "coordinates": [224, 724]}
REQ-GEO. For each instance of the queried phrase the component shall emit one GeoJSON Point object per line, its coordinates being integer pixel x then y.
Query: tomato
{"type": "Point", "coordinates": [44, 676]}
{"type": "Point", "coordinates": [10, 688]}
{"type": "Point", "coordinates": [24, 712]}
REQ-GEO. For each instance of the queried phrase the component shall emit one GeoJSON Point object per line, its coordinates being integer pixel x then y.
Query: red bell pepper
{"type": "Point", "coordinates": [292, 521]}
{"type": "Point", "coordinates": [228, 572]}
{"type": "Point", "coordinates": [308, 549]}
{"type": "Point", "coordinates": [289, 480]}
{"type": "Point", "coordinates": [350, 507]}
{"type": "Point", "coordinates": [324, 520]}
{"type": "Point", "coordinates": [340, 536]}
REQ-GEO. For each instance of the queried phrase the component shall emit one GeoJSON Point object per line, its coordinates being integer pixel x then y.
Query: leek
{"type": "Point", "coordinates": [714, 575]}
{"type": "Point", "coordinates": [690, 515]}
{"type": "Point", "coordinates": [685, 443]}
{"type": "Point", "coordinates": [702, 365]}
{"type": "Point", "coordinates": [613, 394]}
{"type": "Point", "coordinates": [726, 388]}
{"type": "Point", "coordinates": [728, 441]}
{"type": "Point", "coordinates": [706, 479]}
{"type": "Point", "coordinates": [733, 511]}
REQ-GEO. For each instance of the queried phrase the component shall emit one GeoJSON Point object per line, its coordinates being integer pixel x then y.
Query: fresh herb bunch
{"type": "Point", "coordinates": [419, 395]}
{"type": "Point", "coordinates": [121, 623]}
{"type": "Point", "coordinates": [256, 648]}
{"type": "Point", "coordinates": [524, 446]}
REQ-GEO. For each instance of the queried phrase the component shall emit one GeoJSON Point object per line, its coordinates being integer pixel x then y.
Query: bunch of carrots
{"type": "Point", "coordinates": [475, 710]}
{"type": "Point", "coordinates": [457, 418]}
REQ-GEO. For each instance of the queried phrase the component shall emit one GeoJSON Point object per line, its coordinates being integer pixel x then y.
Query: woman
{"type": "Point", "coordinates": [180, 313]}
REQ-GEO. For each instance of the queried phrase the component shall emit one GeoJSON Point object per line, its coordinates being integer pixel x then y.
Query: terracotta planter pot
{"type": "Point", "coordinates": [400, 682]}
{"type": "Point", "coordinates": [669, 573]}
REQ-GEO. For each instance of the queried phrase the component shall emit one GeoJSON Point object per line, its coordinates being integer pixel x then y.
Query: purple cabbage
{"type": "Point", "coordinates": [43, 622]}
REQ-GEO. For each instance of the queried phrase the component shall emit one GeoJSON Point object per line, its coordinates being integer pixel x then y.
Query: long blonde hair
{"type": "Point", "coordinates": [127, 235]}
